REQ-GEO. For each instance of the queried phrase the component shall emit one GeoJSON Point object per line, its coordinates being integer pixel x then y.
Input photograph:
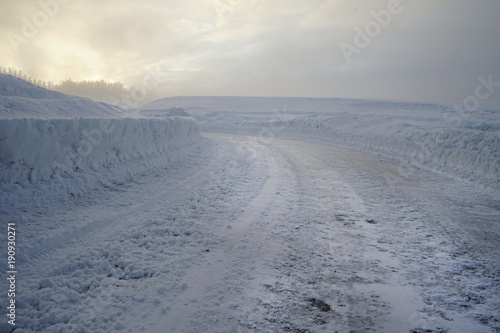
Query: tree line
{"type": "Point", "coordinates": [98, 90]}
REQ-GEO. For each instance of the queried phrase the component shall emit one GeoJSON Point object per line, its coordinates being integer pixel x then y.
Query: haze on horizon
{"type": "Point", "coordinates": [425, 49]}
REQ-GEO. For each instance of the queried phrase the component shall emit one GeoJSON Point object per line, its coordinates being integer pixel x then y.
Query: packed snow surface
{"type": "Point", "coordinates": [284, 215]}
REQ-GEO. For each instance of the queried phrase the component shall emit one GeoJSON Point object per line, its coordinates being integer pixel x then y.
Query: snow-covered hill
{"type": "Point", "coordinates": [20, 99]}
{"type": "Point", "coordinates": [73, 143]}
{"type": "Point", "coordinates": [430, 135]}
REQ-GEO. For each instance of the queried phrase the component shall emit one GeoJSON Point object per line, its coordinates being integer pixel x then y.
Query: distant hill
{"type": "Point", "coordinates": [21, 99]}
{"type": "Point", "coordinates": [98, 90]}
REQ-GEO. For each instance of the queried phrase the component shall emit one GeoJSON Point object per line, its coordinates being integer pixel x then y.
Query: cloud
{"type": "Point", "coordinates": [432, 49]}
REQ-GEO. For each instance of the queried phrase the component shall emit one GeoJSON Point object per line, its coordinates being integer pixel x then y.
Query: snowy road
{"type": "Point", "coordinates": [266, 235]}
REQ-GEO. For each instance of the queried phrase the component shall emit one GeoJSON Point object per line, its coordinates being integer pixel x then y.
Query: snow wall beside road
{"type": "Point", "coordinates": [33, 150]}
{"type": "Point", "coordinates": [472, 154]}
{"type": "Point", "coordinates": [54, 145]}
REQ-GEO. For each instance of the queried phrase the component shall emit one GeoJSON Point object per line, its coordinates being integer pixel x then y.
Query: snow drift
{"type": "Point", "coordinates": [429, 135]}
{"type": "Point", "coordinates": [77, 143]}
{"type": "Point", "coordinates": [41, 149]}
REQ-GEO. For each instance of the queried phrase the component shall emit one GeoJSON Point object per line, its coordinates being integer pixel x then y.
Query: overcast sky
{"type": "Point", "coordinates": [430, 49]}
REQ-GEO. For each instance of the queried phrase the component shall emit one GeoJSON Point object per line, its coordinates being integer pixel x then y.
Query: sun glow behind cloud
{"type": "Point", "coordinates": [236, 47]}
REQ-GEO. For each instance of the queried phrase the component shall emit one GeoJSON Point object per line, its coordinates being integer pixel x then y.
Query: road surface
{"type": "Point", "coordinates": [251, 234]}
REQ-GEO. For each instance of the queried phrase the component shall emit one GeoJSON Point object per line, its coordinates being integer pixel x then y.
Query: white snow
{"type": "Point", "coordinates": [77, 144]}
{"type": "Point", "coordinates": [19, 99]}
{"type": "Point", "coordinates": [431, 135]}
{"type": "Point", "coordinates": [299, 215]}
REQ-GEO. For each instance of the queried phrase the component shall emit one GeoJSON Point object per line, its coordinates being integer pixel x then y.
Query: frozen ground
{"type": "Point", "coordinates": [257, 233]}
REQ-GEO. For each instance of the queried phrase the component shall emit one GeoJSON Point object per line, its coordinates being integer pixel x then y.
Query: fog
{"type": "Point", "coordinates": [418, 50]}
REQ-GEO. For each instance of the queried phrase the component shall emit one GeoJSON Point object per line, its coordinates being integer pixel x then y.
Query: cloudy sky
{"type": "Point", "coordinates": [422, 50]}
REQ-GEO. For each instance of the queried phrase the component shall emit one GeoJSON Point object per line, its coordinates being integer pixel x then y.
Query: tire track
{"type": "Point", "coordinates": [225, 271]}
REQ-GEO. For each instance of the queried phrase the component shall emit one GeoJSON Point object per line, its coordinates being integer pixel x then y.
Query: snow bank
{"type": "Point", "coordinates": [58, 147]}
{"type": "Point", "coordinates": [429, 135]}
{"type": "Point", "coordinates": [467, 154]}
{"type": "Point", "coordinates": [34, 150]}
